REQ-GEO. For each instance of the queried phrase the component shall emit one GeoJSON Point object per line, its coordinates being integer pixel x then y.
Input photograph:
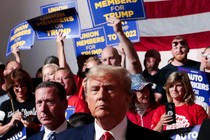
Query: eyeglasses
{"type": "Point", "coordinates": [175, 43]}
{"type": "Point", "coordinates": [205, 55]}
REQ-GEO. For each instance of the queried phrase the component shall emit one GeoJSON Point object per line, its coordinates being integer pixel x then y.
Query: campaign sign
{"type": "Point", "coordinates": [21, 135]}
{"type": "Point", "coordinates": [91, 42]}
{"type": "Point", "coordinates": [21, 36]}
{"type": "Point", "coordinates": [190, 133]}
{"type": "Point", "coordinates": [200, 83]}
{"type": "Point", "coordinates": [130, 29]}
{"type": "Point", "coordinates": [100, 10]}
{"type": "Point", "coordinates": [69, 111]}
{"type": "Point", "coordinates": [54, 7]}
{"type": "Point", "coordinates": [49, 25]}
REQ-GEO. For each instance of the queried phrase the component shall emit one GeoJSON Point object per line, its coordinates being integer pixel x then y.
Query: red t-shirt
{"type": "Point", "coordinates": [186, 116]}
{"type": "Point", "coordinates": [80, 91]}
{"type": "Point", "coordinates": [145, 120]}
{"type": "Point", "coordinates": [79, 104]}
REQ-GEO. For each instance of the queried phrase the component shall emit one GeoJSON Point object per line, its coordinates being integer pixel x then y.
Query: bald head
{"type": "Point", "coordinates": [110, 56]}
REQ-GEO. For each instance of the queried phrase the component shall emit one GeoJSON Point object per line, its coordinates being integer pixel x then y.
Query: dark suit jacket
{"type": "Point", "coordinates": [204, 132]}
{"type": "Point", "coordinates": [39, 135]}
{"type": "Point", "coordinates": [133, 132]}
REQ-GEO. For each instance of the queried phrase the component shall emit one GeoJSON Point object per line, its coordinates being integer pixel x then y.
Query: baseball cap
{"type": "Point", "coordinates": [138, 82]}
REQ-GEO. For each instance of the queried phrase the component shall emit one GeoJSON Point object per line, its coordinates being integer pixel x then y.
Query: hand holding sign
{"type": "Point", "coordinates": [16, 52]}
{"type": "Point", "coordinates": [60, 38]}
{"type": "Point", "coordinates": [116, 24]}
{"type": "Point", "coordinates": [17, 116]}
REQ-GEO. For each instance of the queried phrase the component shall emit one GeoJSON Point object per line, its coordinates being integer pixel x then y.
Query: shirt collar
{"type": "Point", "coordinates": [118, 132]}
{"type": "Point", "coordinates": [62, 127]}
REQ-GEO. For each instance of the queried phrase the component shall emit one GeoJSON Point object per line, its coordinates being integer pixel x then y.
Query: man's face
{"type": "Point", "coordinates": [205, 59]}
{"type": "Point", "coordinates": [50, 109]}
{"type": "Point", "coordinates": [150, 63]}
{"type": "Point", "coordinates": [110, 57]}
{"type": "Point", "coordinates": [179, 49]}
{"type": "Point", "coordinates": [106, 98]}
{"type": "Point", "coordinates": [63, 77]}
{"type": "Point", "coordinates": [11, 66]}
{"type": "Point", "coordinates": [143, 96]}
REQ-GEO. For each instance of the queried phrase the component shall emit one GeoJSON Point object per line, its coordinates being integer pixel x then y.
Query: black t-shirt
{"type": "Point", "coordinates": [27, 108]}
{"type": "Point", "coordinates": [152, 78]}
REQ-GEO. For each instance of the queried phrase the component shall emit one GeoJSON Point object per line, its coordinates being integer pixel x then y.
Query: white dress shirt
{"type": "Point", "coordinates": [118, 132]}
{"type": "Point", "coordinates": [62, 127]}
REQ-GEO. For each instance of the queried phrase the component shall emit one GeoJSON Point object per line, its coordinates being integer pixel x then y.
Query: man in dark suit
{"type": "Point", "coordinates": [51, 104]}
{"type": "Point", "coordinates": [108, 95]}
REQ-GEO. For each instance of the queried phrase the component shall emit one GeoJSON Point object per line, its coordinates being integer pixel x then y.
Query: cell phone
{"type": "Point", "coordinates": [170, 110]}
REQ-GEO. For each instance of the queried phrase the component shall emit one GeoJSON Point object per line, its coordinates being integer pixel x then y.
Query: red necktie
{"type": "Point", "coordinates": [107, 136]}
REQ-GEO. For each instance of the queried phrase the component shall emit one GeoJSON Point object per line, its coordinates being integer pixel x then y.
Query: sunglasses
{"type": "Point", "coordinates": [205, 55]}
{"type": "Point", "coordinates": [175, 43]}
{"type": "Point", "coordinates": [87, 70]}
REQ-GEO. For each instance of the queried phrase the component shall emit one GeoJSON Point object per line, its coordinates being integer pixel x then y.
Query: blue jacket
{"type": "Point", "coordinates": [133, 132]}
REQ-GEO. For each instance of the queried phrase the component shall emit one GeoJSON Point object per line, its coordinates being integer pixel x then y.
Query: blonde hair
{"type": "Point", "coordinates": [120, 74]}
{"type": "Point", "coordinates": [182, 77]}
{"type": "Point", "coordinates": [53, 66]}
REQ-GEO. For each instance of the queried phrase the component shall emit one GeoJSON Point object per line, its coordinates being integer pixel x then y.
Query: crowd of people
{"type": "Point", "coordinates": [112, 95]}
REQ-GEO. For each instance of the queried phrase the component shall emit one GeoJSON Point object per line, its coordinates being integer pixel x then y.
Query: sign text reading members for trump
{"type": "Point", "coordinates": [200, 84]}
{"type": "Point", "coordinates": [91, 42]}
{"type": "Point", "coordinates": [123, 9]}
{"type": "Point", "coordinates": [21, 36]}
{"type": "Point", "coordinates": [130, 29]}
{"type": "Point", "coordinates": [54, 7]}
{"type": "Point", "coordinates": [47, 26]}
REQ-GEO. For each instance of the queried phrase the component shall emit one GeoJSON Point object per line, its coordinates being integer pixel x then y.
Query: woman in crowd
{"type": "Point", "coordinates": [48, 72]}
{"type": "Point", "coordinates": [143, 104]}
{"type": "Point", "coordinates": [178, 91]}
{"type": "Point", "coordinates": [19, 111]}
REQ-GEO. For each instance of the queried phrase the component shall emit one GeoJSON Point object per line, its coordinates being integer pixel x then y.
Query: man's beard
{"type": "Point", "coordinates": [180, 57]}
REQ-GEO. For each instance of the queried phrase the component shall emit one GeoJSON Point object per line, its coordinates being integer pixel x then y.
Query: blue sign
{"type": "Point", "coordinates": [49, 25]}
{"type": "Point", "coordinates": [21, 36]}
{"type": "Point", "coordinates": [125, 10]}
{"type": "Point", "coordinates": [91, 42]}
{"type": "Point", "coordinates": [54, 7]}
{"type": "Point", "coordinates": [190, 133]}
{"type": "Point", "coordinates": [200, 83]}
{"type": "Point", "coordinates": [21, 135]}
{"type": "Point", "coordinates": [69, 111]}
{"type": "Point", "coordinates": [130, 29]}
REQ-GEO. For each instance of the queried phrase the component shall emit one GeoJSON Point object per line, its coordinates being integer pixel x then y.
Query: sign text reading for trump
{"type": "Point", "coordinates": [21, 36]}
{"type": "Point", "coordinates": [123, 9]}
{"type": "Point", "coordinates": [50, 8]}
{"type": "Point", "coordinates": [49, 25]}
{"type": "Point", "coordinates": [91, 42]}
{"type": "Point", "coordinates": [200, 84]}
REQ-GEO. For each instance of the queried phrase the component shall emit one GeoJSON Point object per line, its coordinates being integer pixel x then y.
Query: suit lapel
{"type": "Point", "coordinates": [40, 135]}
